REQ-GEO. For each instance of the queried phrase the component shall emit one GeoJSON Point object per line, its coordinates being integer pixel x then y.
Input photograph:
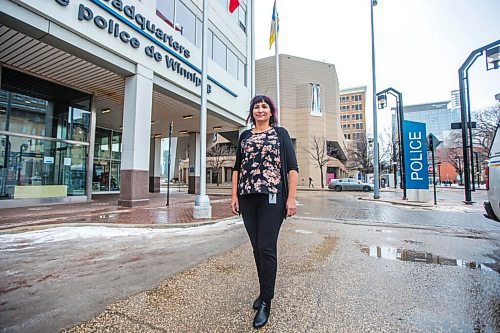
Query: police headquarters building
{"type": "Point", "coordinates": [89, 88]}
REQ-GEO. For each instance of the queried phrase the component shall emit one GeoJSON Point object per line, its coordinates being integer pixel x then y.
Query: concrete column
{"type": "Point", "coordinates": [134, 189]}
{"type": "Point", "coordinates": [154, 165]}
{"type": "Point", "coordinates": [194, 167]}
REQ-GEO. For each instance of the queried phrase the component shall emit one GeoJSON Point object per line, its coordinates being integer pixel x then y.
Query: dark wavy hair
{"type": "Point", "coordinates": [273, 120]}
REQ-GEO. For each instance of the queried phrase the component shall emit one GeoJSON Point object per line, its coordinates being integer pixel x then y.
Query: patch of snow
{"type": "Point", "coordinates": [8, 242]}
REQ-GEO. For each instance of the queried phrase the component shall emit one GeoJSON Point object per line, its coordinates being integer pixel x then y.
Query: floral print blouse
{"type": "Point", "coordinates": [261, 163]}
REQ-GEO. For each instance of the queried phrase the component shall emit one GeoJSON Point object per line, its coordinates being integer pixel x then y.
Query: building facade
{"type": "Point", "coordinates": [437, 116]}
{"type": "Point", "coordinates": [89, 88]}
{"type": "Point", "coordinates": [352, 112]}
{"type": "Point", "coordinates": [309, 102]}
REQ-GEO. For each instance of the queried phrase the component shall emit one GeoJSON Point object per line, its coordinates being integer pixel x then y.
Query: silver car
{"type": "Point", "coordinates": [349, 184]}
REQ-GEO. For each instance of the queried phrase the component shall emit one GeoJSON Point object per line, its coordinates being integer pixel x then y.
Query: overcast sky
{"type": "Point", "coordinates": [420, 44]}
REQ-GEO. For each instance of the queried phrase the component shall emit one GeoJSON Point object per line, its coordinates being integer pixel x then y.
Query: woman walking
{"type": "Point", "coordinates": [264, 189]}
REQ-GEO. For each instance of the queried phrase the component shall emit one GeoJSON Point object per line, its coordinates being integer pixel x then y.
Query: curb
{"type": "Point", "coordinates": [410, 203]}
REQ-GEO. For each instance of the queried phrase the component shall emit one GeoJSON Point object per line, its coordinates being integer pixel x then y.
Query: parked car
{"type": "Point", "coordinates": [349, 184]}
{"type": "Point", "coordinates": [492, 206]}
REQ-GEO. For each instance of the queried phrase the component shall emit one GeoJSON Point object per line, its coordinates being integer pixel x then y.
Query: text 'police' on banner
{"type": "Point", "coordinates": [417, 170]}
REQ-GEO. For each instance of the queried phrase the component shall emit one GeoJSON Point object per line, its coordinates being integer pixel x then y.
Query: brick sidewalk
{"type": "Point", "coordinates": [104, 209]}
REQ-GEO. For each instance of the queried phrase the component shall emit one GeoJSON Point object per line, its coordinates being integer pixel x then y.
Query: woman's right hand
{"type": "Point", "coordinates": [235, 206]}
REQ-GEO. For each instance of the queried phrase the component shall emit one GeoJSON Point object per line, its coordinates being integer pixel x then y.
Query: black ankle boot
{"type": "Point", "coordinates": [262, 314]}
{"type": "Point", "coordinates": [256, 303]}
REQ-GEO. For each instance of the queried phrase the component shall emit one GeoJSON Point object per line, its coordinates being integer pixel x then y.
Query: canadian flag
{"type": "Point", "coordinates": [233, 4]}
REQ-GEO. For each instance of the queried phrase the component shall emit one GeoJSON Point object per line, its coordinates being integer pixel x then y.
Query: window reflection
{"type": "Point", "coordinates": [185, 22]}
{"type": "Point", "coordinates": [232, 64]}
{"type": "Point", "coordinates": [219, 52]}
{"type": "Point", "coordinates": [41, 121]}
{"type": "Point", "coordinates": [165, 10]}
{"type": "Point", "coordinates": [107, 155]}
{"type": "Point", "coordinates": [29, 166]}
{"type": "Point", "coordinates": [315, 100]}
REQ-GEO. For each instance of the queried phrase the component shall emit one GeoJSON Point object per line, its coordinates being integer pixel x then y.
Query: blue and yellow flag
{"type": "Point", "coordinates": [275, 23]}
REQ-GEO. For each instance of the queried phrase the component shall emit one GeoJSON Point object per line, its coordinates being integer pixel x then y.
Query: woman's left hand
{"type": "Point", "coordinates": [291, 207]}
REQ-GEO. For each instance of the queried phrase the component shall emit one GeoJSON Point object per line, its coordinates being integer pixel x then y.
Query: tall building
{"type": "Point", "coordinates": [309, 98]}
{"type": "Point", "coordinates": [89, 88]}
{"type": "Point", "coordinates": [352, 112]}
{"type": "Point", "coordinates": [437, 116]}
{"type": "Point", "coordinates": [455, 99]}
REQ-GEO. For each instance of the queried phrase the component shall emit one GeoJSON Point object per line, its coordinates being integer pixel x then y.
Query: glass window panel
{"type": "Point", "coordinates": [185, 21]}
{"type": "Point", "coordinates": [80, 123]}
{"type": "Point", "coordinates": [33, 116]}
{"type": "Point", "coordinates": [315, 100]}
{"type": "Point", "coordinates": [116, 146]}
{"type": "Point", "coordinates": [165, 10]}
{"type": "Point", "coordinates": [26, 162]}
{"type": "Point", "coordinates": [224, 4]}
{"type": "Point", "coordinates": [242, 72]}
{"type": "Point", "coordinates": [210, 44]}
{"type": "Point", "coordinates": [115, 176]}
{"type": "Point", "coordinates": [232, 64]}
{"type": "Point", "coordinates": [100, 176]}
{"type": "Point", "coordinates": [219, 52]}
{"type": "Point", "coordinates": [199, 33]}
{"type": "Point", "coordinates": [242, 15]}
{"type": "Point", "coordinates": [102, 143]}
{"type": "Point", "coordinates": [4, 95]}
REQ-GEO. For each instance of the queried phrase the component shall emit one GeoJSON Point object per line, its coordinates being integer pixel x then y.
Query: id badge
{"type": "Point", "coordinates": [272, 198]}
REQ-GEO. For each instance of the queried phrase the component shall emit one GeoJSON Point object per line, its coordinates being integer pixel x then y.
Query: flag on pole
{"type": "Point", "coordinates": [275, 23]}
{"type": "Point", "coordinates": [233, 4]}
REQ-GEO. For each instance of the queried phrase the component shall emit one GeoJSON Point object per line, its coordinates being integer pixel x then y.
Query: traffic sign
{"type": "Point", "coordinates": [459, 125]}
{"type": "Point", "coordinates": [432, 142]}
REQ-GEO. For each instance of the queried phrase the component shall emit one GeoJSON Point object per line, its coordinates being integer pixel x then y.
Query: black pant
{"type": "Point", "coordinates": [262, 222]}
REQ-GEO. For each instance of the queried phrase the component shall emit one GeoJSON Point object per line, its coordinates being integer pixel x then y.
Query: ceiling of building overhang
{"type": "Point", "coordinates": [31, 56]}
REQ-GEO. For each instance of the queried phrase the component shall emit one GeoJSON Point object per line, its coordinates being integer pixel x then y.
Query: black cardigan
{"type": "Point", "coordinates": [287, 154]}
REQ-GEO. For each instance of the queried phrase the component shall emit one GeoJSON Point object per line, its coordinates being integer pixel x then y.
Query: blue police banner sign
{"type": "Point", "coordinates": [416, 167]}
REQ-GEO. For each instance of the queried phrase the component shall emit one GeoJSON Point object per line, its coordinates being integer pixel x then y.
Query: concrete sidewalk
{"type": "Point", "coordinates": [104, 209]}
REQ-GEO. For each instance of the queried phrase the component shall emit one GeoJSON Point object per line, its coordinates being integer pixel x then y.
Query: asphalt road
{"type": "Point", "coordinates": [345, 265]}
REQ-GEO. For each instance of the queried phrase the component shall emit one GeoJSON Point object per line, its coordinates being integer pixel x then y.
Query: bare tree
{"type": "Point", "coordinates": [386, 149]}
{"type": "Point", "coordinates": [219, 155]}
{"type": "Point", "coordinates": [487, 121]}
{"type": "Point", "coordinates": [454, 157]}
{"type": "Point", "coordinates": [360, 155]}
{"type": "Point", "coordinates": [319, 154]}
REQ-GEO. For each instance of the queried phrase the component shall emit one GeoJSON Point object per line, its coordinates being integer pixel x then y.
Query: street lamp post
{"type": "Point", "coordinates": [376, 191]}
{"type": "Point", "coordinates": [492, 57]}
{"type": "Point", "coordinates": [171, 127]}
{"type": "Point", "coordinates": [382, 103]}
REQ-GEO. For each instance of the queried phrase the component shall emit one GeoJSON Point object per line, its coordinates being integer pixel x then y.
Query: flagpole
{"type": "Point", "coordinates": [202, 208]}
{"type": "Point", "coordinates": [252, 10]}
{"type": "Point", "coordinates": [277, 64]}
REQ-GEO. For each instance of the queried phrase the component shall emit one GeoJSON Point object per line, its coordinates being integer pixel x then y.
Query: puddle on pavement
{"type": "Point", "coordinates": [393, 253]}
{"type": "Point", "coordinates": [302, 231]}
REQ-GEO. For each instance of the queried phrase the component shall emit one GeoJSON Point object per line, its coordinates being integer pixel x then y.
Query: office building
{"type": "Point", "coordinates": [89, 88]}
{"type": "Point", "coordinates": [309, 98]}
{"type": "Point", "coordinates": [437, 116]}
{"type": "Point", "coordinates": [352, 112]}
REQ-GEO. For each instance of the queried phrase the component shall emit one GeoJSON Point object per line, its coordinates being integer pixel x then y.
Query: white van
{"type": "Point", "coordinates": [492, 206]}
